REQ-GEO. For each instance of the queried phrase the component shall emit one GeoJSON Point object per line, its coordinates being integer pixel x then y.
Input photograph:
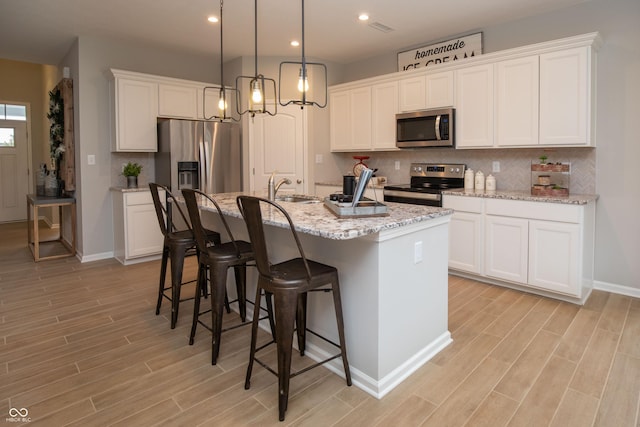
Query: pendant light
{"type": "Point", "coordinates": [222, 91]}
{"type": "Point", "coordinates": [260, 87]}
{"type": "Point", "coordinates": [311, 79]}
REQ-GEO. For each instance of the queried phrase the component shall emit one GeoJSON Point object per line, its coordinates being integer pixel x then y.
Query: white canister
{"type": "Point", "coordinates": [490, 183]}
{"type": "Point", "coordinates": [468, 179]}
{"type": "Point", "coordinates": [479, 182]}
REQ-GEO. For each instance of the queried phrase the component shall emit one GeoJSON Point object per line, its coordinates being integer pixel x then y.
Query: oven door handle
{"type": "Point", "coordinates": [438, 127]}
{"type": "Point", "coordinates": [412, 195]}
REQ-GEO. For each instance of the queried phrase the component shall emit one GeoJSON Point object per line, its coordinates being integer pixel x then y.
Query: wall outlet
{"type": "Point", "coordinates": [417, 252]}
{"type": "Point", "coordinates": [496, 166]}
{"type": "Point", "coordinates": [397, 165]}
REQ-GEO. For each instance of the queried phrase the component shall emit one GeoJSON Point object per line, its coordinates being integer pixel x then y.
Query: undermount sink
{"type": "Point", "coordinates": [297, 198]}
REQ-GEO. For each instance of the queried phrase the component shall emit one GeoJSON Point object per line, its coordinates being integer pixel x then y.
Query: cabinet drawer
{"type": "Point", "coordinates": [138, 198]}
{"type": "Point", "coordinates": [535, 210]}
{"type": "Point", "coordinates": [463, 203]}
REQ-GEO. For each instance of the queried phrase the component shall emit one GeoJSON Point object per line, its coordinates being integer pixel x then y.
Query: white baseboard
{"type": "Point", "coordinates": [95, 257]}
{"type": "Point", "coordinates": [616, 289]}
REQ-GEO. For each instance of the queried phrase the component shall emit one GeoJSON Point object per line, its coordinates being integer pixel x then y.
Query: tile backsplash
{"type": "Point", "coordinates": [515, 164]}
{"type": "Point", "coordinates": [119, 159]}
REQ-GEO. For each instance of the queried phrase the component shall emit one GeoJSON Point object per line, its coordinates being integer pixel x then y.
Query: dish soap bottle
{"type": "Point", "coordinates": [479, 183]}
{"type": "Point", "coordinates": [468, 179]}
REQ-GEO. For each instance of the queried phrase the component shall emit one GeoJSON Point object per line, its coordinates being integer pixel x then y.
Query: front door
{"type": "Point", "coordinates": [278, 143]}
{"type": "Point", "coordinates": [14, 170]}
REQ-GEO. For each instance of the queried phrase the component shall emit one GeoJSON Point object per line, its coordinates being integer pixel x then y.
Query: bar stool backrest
{"type": "Point", "coordinates": [251, 212]}
{"type": "Point", "coordinates": [196, 222]}
{"type": "Point", "coordinates": [167, 225]}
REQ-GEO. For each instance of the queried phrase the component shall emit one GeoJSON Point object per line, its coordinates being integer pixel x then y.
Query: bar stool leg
{"type": "Point", "coordinates": [218, 292]}
{"type": "Point", "coordinates": [163, 274]}
{"type": "Point", "coordinates": [201, 286]}
{"type": "Point", "coordinates": [254, 335]}
{"type": "Point", "coordinates": [337, 303]}
{"type": "Point", "coordinates": [286, 307]}
{"type": "Point", "coordinates": [301, 322]}
{"type": "Point", "coordinates": [177, 264]}
{"type": "Point", "coordinates": [240, 272]}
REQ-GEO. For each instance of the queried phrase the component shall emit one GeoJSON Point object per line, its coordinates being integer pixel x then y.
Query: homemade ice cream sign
{"type": "Point", "coordinates": [439, 53]}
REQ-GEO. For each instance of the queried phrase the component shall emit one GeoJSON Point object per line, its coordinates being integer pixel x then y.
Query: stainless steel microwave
{"type": "Point", "coordinates": [425, 128]}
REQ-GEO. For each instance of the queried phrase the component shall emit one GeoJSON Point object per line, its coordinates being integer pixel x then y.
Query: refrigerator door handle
{"type": "Point", "coordinates": [202, 164]}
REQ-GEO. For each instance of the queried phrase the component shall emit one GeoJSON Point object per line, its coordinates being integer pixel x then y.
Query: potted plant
{"type": "Point", "coordinates": [131, 171]}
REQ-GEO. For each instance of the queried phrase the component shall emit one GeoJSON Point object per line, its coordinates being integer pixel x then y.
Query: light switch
{"type": "Point", "coordinates": [319, 158]}
{"type": "Point", "coordinates": [397, 165]}
{"type": "Point", "coordinates": [91, 159]}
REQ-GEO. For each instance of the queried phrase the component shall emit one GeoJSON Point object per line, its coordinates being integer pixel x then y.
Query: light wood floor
{"type": "Point", "coordinates": [80, 345]}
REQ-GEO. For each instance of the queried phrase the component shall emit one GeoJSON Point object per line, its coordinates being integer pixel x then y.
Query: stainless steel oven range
{"type": "Point", "coordinates": [427, 182]}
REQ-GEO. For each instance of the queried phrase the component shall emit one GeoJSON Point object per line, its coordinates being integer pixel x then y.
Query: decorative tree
{"type": "Point", "coordinates": [56, 130]}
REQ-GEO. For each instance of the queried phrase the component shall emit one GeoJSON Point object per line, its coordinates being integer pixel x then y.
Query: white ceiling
{"type": "Point", "coordinates": [42, 31]}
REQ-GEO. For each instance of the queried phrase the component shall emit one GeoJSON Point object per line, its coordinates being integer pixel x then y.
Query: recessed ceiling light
{"type": "Point", "coordinates": [363, 17]}
{"type": "Point", "coordinates": [213, 19]}
{"type": "Point", "coordinates": [295, 43]}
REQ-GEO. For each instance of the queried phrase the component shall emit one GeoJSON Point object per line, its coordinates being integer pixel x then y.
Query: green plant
{"type": "Point", "coordinates": [543, 159]}
{"type": "Point", "coordinates": [132, 169]}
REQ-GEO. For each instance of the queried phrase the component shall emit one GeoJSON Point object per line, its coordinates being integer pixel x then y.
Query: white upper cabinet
{"type": "Point", "coordinates": [177, 101]}
{"type": "Point", "coordinates": [134, 111]}
{"type": "Point", "coordinates": [439, 89]}
{"type": "Point", "coordinates": [474, 106]}
{"type": "Point", "coordinates": [413, 93]}
{"type": "Point", "coordinates": [517, 102]}
{"type": "Point", "coordinates": [384, 110]}
{"type": "Point", "coordinates": [350, 119]}
{"type": "Point", "coordinates": [137, 100]}
{"type": "Point", "coordinates": [566, 98]}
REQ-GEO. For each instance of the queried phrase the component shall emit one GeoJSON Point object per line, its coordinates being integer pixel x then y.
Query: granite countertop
{"type": "Point", "coordinates": [572, 199]}
{"type": "Point", "coordinates": [315, 219]}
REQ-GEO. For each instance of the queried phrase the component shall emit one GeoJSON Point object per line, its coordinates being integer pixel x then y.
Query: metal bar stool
{"type": "Point", "coordinates": [289, 282]}
{"type": "Point", "coordinates": [216, 260]}
{"type": "Point", "coordinates": [178, 244]}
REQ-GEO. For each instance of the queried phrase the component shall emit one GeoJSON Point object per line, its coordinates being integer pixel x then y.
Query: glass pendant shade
{"type": "Point", "coordinates": [220, 90]}
{"type": "Point", "coordinates": [303, 82]}
{"type": "Point", "coordinates": [311, 80]}
{"type": "Point", "coordinates": [259, 86]}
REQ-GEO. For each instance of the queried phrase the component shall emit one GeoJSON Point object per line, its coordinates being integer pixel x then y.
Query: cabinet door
{"type": "Point", "coordinates": [136, 104]}
{"type": "Point", "coordinates": [350, 119]}
{"type": "Point", "coordinates": [565, 101]}
{"type": "Point", "coordinates": [554, 253]}
{"type": "Point", "coordinates": [474, 106]}
{"type": "Point", "coordinates": [506, 248]}
{"type": "Point", "coordinates": [517, 102]}
{"type": "Point", "coordinates": [143, 236]}
{"type": "Point", "coordinates": [340, 120]}
{"type": "Point", "coordinates": [413, 95]}
{"type": "Point", "coordinates": [385, 107]}
{"type": "Point", "coordinates": [361, 118]}
{"type": "Point", "coordinates": [177, 101]}
{"type": "Point", "coordinates": [465, 242]}
{"type": "Point", "coordinates": [439, 90]}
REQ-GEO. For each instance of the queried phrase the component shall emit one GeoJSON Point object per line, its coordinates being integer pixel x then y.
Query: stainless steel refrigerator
{"type": "Point", "coordinates": [199, 154]}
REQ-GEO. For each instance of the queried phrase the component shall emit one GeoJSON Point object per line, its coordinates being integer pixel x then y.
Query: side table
{"type": "Point", "coordinates": [57, 248]}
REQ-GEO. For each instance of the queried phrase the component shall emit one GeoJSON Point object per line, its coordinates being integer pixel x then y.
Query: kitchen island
{"type": "Point", "coordinates": [394, 283]}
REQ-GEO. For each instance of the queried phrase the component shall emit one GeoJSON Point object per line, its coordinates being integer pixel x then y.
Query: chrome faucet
{"type": "Point", "coordinates": [273, 187]}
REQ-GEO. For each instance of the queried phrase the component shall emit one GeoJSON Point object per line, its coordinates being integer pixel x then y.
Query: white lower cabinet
{"type": "Point", "coordinates": [137, 233]}
{"type": "Point", "coordinates": [465, 234]}
{"type": "Point", "coordinates": [506, 248]}
{"type": "Point", "coordinates": [554, 250]}
{"type": "Point", "coordinates": [535, 245]}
